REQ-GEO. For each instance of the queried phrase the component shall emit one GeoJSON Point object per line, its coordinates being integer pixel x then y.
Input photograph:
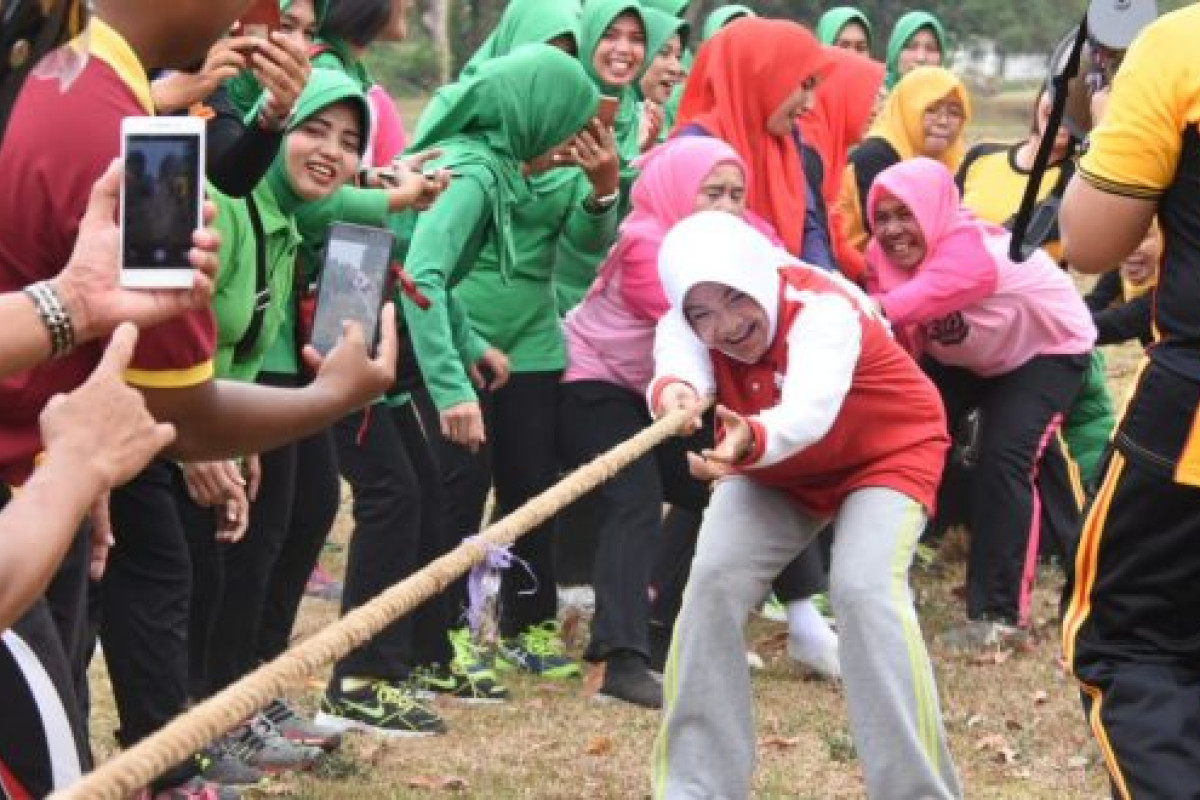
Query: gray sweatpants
{"type": "Point", "coordinates": [706, 746]}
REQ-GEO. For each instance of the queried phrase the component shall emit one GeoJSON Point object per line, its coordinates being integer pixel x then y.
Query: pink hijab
{"type": "Point", "coordinates": [665, 193]}
{"type": "Point", "coordinates": [954, 236]}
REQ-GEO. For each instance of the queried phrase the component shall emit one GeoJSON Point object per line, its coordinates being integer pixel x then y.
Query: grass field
{"type": "Point", "coordinates": [1013, 718]}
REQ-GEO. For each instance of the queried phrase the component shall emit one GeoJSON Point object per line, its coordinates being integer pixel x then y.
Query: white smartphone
{"type": "Point", "coordinates": [162, 199]}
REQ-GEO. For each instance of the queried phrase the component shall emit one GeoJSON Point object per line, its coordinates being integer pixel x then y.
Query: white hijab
{"type": "Point", "coordinates": [716, 247]}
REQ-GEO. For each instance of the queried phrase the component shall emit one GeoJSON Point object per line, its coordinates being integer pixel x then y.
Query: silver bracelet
{"type": "Point", "coordinates": [598, 205]}
{"type": "Point", "coordinates": [54, 316]}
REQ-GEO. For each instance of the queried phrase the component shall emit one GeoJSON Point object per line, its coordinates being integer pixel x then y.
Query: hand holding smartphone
{"type": "Point", "coordinates": [353, 282]}
{"type": "Point", "coordinates": [162, 199]}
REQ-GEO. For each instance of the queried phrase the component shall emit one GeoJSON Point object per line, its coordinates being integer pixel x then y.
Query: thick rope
{"type": "Point", "coordinates": [187, 733]}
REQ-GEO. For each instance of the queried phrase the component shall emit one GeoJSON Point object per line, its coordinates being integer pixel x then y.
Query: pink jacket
{"type": "Point", "coordinates": [968, 304]}
{"type": "Point", "coordinates": [610, 335]}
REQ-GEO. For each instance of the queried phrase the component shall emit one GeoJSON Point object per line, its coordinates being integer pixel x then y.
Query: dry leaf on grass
{"type": "Point", "coordinates": [372, 752]}
{"type": "Point", "coordinates": [593, 678]}
{"type": "Point", "coordinates": [599, 746]}
{"type": "Point", "coordinates": [437, 783]}
{"type": "Point", "coordinates": [992, 657]}
{"type": "Point", "coordinates": [779, 742]}
{"type": "Point", "coordinates": [1005, 752]}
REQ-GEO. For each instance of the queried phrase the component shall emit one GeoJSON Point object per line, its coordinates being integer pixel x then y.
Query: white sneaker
{"type": "Point", "coordinates": [821, 661]}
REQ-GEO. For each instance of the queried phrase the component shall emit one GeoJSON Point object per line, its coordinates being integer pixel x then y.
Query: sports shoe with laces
{"type": "Point", "coordinates": [300, 730]}
{"type": "Point", "coordinates": [260, 744]}
{"type": "Point", "coordinates": [380, 707]}
{"type": "Point", "coordinates": [539, 650]}
{"type": "Point", "coordinates": [220, 764]}
{"type": "Point", "coordinates": [479, 686]}
{"type": "Point", "coordinates": [627, 678]}
{"type": "Point", "coordinates": [981, 635]}
{"type": "Point", "coordinates": [467, 654]}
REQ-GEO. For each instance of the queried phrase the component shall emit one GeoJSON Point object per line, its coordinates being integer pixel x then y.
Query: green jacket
{"type": "Point", "coordinates": [349, 204]}
{"type": "Point", "coordinates": [520, 315]}
{"type": "Point", "coordinates": [235, 290]}
{"type": "Point", "coordinates": [1090, 423]}
{"type": "Point", "coordinates": [513, 109]}
{"type": "Point", "coordinates": [312, 219]}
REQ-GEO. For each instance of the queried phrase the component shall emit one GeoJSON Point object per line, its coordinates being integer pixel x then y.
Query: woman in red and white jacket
{"type": "Point", "coordinates": [823, 418]}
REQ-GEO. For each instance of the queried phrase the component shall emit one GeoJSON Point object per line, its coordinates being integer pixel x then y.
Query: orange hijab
{"type": "Point", "coordinates": [740, 76]}
{"type": "Point", "coordinates": [839, 119]}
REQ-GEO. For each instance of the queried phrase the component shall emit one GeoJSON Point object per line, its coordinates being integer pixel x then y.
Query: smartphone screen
{"type": "Point", "coordinates": [352, 283]}
{"type": "Point", "coordinates": [161, 200]}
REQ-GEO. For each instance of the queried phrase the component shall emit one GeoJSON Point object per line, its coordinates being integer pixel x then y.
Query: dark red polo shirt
{"type": "Point", "coordinates": [57, 145]}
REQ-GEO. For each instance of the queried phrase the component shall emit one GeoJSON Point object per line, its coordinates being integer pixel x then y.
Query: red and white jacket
{"type": "Point", "coordinates": [835, 404]}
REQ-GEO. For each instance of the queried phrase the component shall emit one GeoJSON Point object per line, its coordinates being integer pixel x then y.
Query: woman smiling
{"type": "Point", "coordinates": [925, 115]}
{"type": "Point", "coordinates": [1010, 338]}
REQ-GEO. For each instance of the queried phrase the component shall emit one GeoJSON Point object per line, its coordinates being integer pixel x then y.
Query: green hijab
{"type": "Point", "coordinates": [526, 22]}
{"type": "Point", "coordinates": [330, 49]}
{"type": "Point", "coordinates": [325, 87]}
{"type": "Point", "coordinates": [723, 16]}
{"type": "Point", "coordinates": [514, 108]}
{"type": "Point", "coordinates": [904, 30]}
{"type": "Point", "coordinates": [244, 89]}
{"type": "Point", "coordinates": [598, 15]}
{"type": "Point", "coordinates": [676, 8]}
{"type": "Point", "coordinates": [833, 20]}
{"type": "Point", "coordinates": [660, 27]}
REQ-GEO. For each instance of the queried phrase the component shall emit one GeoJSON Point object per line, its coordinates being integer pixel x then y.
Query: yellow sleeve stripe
{"type": "Point", "coordinates": [111, 48]}
{"type": "Point", "coordinates": [1109, 186]}
{"type": "Point", "coordinates": [170, 378]}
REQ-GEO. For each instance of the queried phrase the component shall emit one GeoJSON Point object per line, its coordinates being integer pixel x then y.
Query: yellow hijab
{"type": "Point", "coordinates": [901, 122]}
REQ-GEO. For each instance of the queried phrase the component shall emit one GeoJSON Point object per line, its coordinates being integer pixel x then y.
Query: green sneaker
{"type": "Point", "coordinates": [479, 686]}
{"type": "Point", "coordinates": [773, 609]}
{"type": "Point", "coordinates": [539, 650]}
{"type": "Point", "coordinates": [824, 607]}
{"type": "Point", "coordinates": [467, 653]}
{"type": "Point", "coordinates": [381, 707]}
